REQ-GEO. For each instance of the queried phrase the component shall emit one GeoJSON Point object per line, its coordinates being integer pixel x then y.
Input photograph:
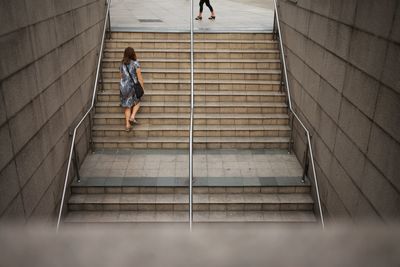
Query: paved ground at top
{"type": "Point", "coordinates": [174, 15]}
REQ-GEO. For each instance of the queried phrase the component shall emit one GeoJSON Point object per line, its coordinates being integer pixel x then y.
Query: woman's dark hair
{"type": "Point", "coordinates": [129, 54]}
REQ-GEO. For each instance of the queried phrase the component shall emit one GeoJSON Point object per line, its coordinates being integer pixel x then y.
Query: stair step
{"type": "Point", "coordinates": [180, 60]}
{"type": "Point", "coordinates": [198, 53]}
{"type": "Point", "coordinates": [179, 185]}
{"type": "Point", "coordinates": [199, 95]}
{"type": "Point", "coordinates": [199, 119]}
{"type": "Point", "coordinates": [202, 107]}
{"type": "Point", "coordinates": [175, 70]}
{"type": "Point", "coordinates": [142, 127]}
{"type": "Point", "coordinates": [223, 74]}
{"type": "Point", "coordinates": [183, 217]}
{"type": "Point", "coordinates": [197, 116]}
{"type": "Point", "coordinates": [273, 64]}
{"type": "Point", "coordinates": [199, 130]}
{"type": "Point", "coordinates": [198, 142]}
{"type": "Point", "coordinates": [186, 36]}
{"type": "Point", "coordinates": [187, 81]}
{"type": "Point", "coordinates": [201, 202]}
{"type": "Point", "coordinates": [198, 44]}
{"type": "Point", "coordinates": [197, 41]}
{"type": "Point", "coordinates": [197, 105]}
{"type": "Point", "coordinates": [184, 84]}
{"type": "Point", "coordinates": [218, 51]}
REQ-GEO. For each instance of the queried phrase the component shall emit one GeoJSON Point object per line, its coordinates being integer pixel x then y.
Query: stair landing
{"type": "Point", "coordinates": [218, 163]}
{"type": "Point", "coordinates": [148, 186]}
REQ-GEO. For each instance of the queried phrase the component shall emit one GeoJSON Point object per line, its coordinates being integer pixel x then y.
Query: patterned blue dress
{"type": "Point", "coordinates": [126, 90]}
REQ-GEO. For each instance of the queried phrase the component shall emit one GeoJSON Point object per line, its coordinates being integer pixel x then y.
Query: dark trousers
{"type": "Point", "coordinates": [207, 2]}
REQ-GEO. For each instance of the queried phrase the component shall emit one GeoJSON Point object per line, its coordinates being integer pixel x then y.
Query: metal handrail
{"type": "Point", "coordinates": [71, 151]}
{"type": "Point", "coordinates": [191, 120]}
{"type": "Point", "coordinates": [277, 24]}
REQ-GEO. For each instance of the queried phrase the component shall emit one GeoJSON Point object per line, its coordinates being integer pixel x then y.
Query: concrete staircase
{"type": "Point", "coordinates": [237, 99]}
{"type": "Point", "coordinates": [141, 176]}
{"type": "Point", "coordinates": [137, 201]}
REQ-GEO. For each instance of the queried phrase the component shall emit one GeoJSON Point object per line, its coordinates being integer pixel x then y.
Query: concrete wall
{"type": "Point", "coordinates": [344, 68]}
{"type": "Point", "coordinates": [48, 60]}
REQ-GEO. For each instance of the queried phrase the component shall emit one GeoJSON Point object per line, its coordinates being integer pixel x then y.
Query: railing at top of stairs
{"type": "Point", "coordinates": [72, 151]}
{"type": "Point", "coordinates": [277, 35]}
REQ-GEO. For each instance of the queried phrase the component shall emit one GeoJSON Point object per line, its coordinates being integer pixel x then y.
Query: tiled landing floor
{"type": "Point", "coordinates": [175, 163]}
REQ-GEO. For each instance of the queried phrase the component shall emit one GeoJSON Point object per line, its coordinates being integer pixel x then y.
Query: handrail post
{"type": "Point", "coordinates": [108, 22]}
{"type": "Point", "coordinates": [191, 120]}
{"type": "Point", "coordinates": [76, 164]}
{"type": "Point", "coordinates": [282, 80]}
{"type": "Point", "coordinates": [90, 131]}
{"type": "Point", "coordinates": [274, 35]}
{"type": "Point", "coordinates": [306, 163]}
{"type": "Point", "coordinates": [291, 119]}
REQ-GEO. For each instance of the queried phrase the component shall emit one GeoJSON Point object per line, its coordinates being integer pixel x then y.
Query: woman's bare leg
{"type": "Point", "coordinates": [134, 111]}
{"type": "Point", "coordinates": [127, 116]}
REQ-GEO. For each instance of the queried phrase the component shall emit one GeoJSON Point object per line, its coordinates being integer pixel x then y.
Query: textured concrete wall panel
{"type": "Point", "coordinates": [64, 34]}
{"type": "Point", "coordinates": [314, 55]}
{"type": "Point", "coordinates": [19, 89]}
{"type": "Point", "coordinates": [375, 17]}
{"type": "Point", "coordinates": [333, 71]}
{"type": "Point", "coordinates": [12, 15]}
{"type": "Point", "coordinates": [349, 156]}
{"type": "Point", "coordinates": [68, 55]}
{"type": "Point", "coordinates": [329, 99]}
{"type": "Point", "coordinates": [15, 52]}
{"type": "Point", "coordinates": [48, 69]}
{"type": "Point", "coordinates": [395, 34]}
{"type": "Point", "coordinates": [344, 186]}
{"type": "Point", "coordinates": [387, 114]}
{"type": "Point", "coordinates": [15, 211]}
{"type": "Point", "coordinates": [80, 3]}
{"type": "Point", "coordinates": [338, 39]}
{"type": "Point", "coordinates": [368, 53]}
{"type": "Point", "coordinates": [362, 90]}
{"type": "Point", "coordinates": [384, 152]}
{"type": "Point", "coordinates": [347, 90]}
{"type": "Point", "coordinates": [391, 69]}
{"type": "Point", "coordinates": [355, 124]}
{"type": "Point", "coordinates": [9, 186]}
{"type": "Point", "coordinates": [343, 10]}
{"type": "Point", "coordinates": [39, 10]}
{"type": "Point", "coordinates": [312, 81]}
{"type": "Point", "coordinates": [48, 60]}
{"type": "Point", "coordinates": [321, 151]}
{"type": "Point", "coordinates": [25, 124]}
{"type": "Point", "coordinates": [318, 28]}
{"type": "Point", "coordinates": [31, 156]}
{"type": "Point", "coordinates": [326, 128]}
{"type": "Point", "coordinates": [321, 7]}
{"type": "Point", "coordinates": [52, 99]}
{"type": "Point", "coordinates": [381, 193]}
{"type": "Point", "coordinates": [6, 151]}
{"type": "Point", "coordinates": [43, 36]}
{"type": "Point", "coordinates": [3, 114]}
{"type": "Point", "coordinates": [61, 7]}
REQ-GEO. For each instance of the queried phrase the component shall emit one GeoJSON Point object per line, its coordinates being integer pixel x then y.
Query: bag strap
{"type": "Point", "coordinates": [126, 66]}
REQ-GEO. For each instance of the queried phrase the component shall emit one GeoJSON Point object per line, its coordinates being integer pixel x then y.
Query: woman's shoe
{"type": "Point", "coordinates": [128, 129]}
{"type": "Point", "coordinates": [133, 121]}
{"type": "Point", "coordinates": [198, 18]}
{"type": "Point", "coordinates": [212, 18]}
